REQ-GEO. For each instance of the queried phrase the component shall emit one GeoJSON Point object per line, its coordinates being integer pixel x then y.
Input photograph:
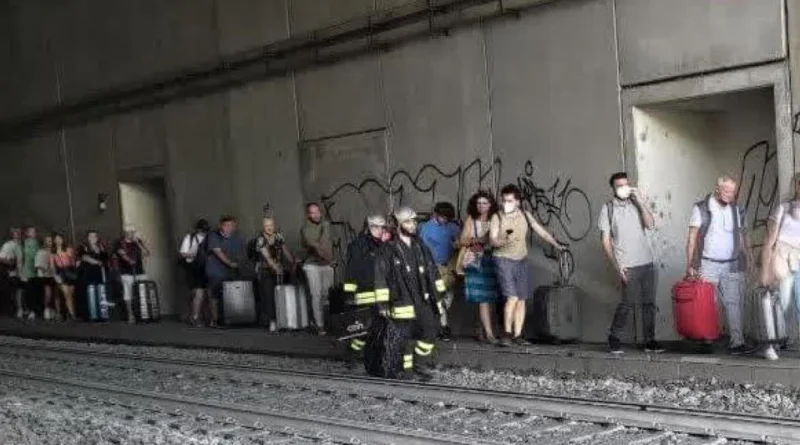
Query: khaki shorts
{"type": "Point", "coordinates": [448, 274]}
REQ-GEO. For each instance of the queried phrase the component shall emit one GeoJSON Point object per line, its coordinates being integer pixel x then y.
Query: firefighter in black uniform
{"type": "Point", "coordinates": [407, 275]}
{"type": "Point", "coordinates": [359, 274]}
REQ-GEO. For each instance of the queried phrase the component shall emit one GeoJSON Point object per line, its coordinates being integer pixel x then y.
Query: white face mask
{"type": "Point", "coordinates": [509, 207]}
{"type": "Point", "coordinates": [623, 192]}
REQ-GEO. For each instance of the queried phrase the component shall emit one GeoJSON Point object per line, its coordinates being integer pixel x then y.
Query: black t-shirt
{"type": "Point", "coordinates": [134, 252]}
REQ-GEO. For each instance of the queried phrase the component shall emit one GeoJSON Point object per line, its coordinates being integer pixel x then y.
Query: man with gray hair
{"type": "Point", "coordinates": [717, 250]}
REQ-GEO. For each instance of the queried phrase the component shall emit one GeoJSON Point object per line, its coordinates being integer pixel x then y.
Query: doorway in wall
{"type": "Point", "coordinates": [144, 205]}
{"type": "Point", "coordinates": [681, 148]}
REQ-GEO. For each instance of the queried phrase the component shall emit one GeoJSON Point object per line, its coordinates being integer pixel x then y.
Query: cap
{"type": "Point", "coordinates": [376, 220]}
{"type": "Point", "coordinates": [405, 213]}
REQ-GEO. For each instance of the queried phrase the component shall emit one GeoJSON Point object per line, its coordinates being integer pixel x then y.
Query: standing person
{"type": "Point", "coordinates": [480, 284]}
{"type": "Point", "coordinates": [225, 250]}
{"type": "Point", "coordinates": [94, 262]}
{"type": "Point", "coordinates": [65, 272]}
{"type": "Point", "coordinates": [780, 256]}
{"type": "Point", "coordinates": [508, 233]}
{"type": "Point", "coordinates": [359, 274]}
{"type": "Point", "coordinates": [717, 251]}
{"type": "Point", "coordinates": [131, 251]}
{"type": "Point", "coordinates": [194, 267]}
{"type": "Point", "coordinates": [27, 271]}
{"type": "Point", "coordinates": [407, 274]}
{"type": "Point", "coordinates": [315, 236]}
{"type": "Point", "coordinates": [441, 235]}
{"type": "Point", "coordinates": [44, 274]}
{"type": "Point", "coordinates": [623, 222]}
{"type": "Point", "coordinates": [275, 265]}
{"type": "Point", "coordinates": [9, 259]}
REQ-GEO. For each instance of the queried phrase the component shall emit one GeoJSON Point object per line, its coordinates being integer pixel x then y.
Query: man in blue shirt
{"type": "Point", "coordinates": [225, 252]}
{"type": "Point", "coordinates": [441, 235]}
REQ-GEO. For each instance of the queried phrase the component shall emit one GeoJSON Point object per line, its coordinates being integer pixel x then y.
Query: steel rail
{"type": "Point", "coordinates": [338, 430]}
{"type": "Point", "coordinates": [649, 416]}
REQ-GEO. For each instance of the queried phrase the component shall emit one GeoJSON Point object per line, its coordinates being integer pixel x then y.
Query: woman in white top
{"type": "Point", "coordinates": [195, 272]}
{"type": "Point", "coordinates": [780, 257]}
{"type": "Point", "coordinates": [44, 273]}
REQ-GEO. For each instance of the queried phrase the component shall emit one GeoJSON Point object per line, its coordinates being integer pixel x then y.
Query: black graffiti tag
{"type": "Point", "coordinates": [759, 188]}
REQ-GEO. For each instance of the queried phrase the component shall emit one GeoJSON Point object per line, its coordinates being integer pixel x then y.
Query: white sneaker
{"type": "Point", "coordinates": [47, 315]}
{"type": "Point", "coordinates": [770, 354]}
{"type": "Point", "coordinates": [20, 315]}
{"type": "Point", "coordinates": [31, 315]}
{"type": "Point", "coordinates": [272, 326]}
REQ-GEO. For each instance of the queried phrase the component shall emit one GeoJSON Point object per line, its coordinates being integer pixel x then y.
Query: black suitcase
{"type": "Point", "coordinates": [555, 315]}
{"type": "Point", "coordinates": [351, 323]}
{"type": "Point", "coordinates": [146, 303]}
{"type": "Point", "coordinates": [384, 349]}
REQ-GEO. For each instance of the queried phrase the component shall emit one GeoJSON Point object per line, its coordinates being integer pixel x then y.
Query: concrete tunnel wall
{"type": "Point", "coordinates": [534, 100]}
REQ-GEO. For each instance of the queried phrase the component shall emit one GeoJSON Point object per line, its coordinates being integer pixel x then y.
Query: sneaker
{"type": "Point", "coordinates": [272, 326]}
{"type": "Point", "coordinates": [519, 341]}
{"type": "Point", "coordinates": [739, 350]}
{"type": "Point", "coordinates": [770, 354]}
{"type": "Point", "coordinates": [31, 315]}
{"type": "Point", "coordinates": [504, 342]}
{"type": "Point", "coordinates": [20, 315]}
{"type": "Point", "coordinates": [614, 345]}
{"type": "Point", "coordinates": [46, 314]}
{"type": "Point", "coordinates": [492, 341]}
{"type": "Point", "coordinates": [445, 334]}
{"type": "Point", "coordinates": [653, 347]}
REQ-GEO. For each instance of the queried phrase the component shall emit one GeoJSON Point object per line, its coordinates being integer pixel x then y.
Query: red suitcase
{"type": "Point", "coordinates": [695, 310]}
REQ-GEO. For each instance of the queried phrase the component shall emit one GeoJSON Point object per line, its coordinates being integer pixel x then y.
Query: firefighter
{"type": "Point", "coordinates": [407, 275]}
{"type": "Point", "coordinates": [359, 279]}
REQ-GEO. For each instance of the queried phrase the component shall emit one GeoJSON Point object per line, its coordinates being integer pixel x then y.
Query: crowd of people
{"type": "Point", "coordinates": [409, 273]}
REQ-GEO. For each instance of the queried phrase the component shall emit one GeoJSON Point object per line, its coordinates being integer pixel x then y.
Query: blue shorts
{"type": "Point", "coordinates": [512, 277]}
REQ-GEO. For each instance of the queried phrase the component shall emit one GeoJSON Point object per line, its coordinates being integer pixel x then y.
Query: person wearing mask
{"type": "Point", "coordinates": [480, 284]}
{"type": "Point", "coordinates": [315, 237]}
{"type": "Point", "coordinates": [275, 265]}
{"type": "Point", "coordinates": [225, 249]}
{"type": "Point", "coordinates": [94, 260]}
{"type": "Point", "coordinates": [623, 223]}
{"type": "Point", "coordinates": [9, 259]}
{"type": "Point", "coordinates": [359, 274]}
{"type": "Point", "coordinates": [717, 251]}
{"type": "Point", "coordinates": [441, 234]}
{"type": "Point", "coordinates": [44, 274]}
{"type": "Point", "coordinates": [27, 271]}
{"type": "Point", "coordinates": [194, 269]}
{"type": "Point", "coordinates": [131, 250]}
{"type": "Point", "coordinates": [780, 257]}
{"type": "Point", "coordinates": [64, 272]}
{"type": "Point", "coordinates": [508, 231]}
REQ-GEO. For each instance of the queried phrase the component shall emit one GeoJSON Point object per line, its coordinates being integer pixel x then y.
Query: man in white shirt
{"type": "Point", "coordinates": [717, 250]}
{"type": "Point", "coordinates": [10, 254]}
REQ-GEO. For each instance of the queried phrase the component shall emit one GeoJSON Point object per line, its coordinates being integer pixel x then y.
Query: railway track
{"type": "Point", "coordinates": [615, 417]}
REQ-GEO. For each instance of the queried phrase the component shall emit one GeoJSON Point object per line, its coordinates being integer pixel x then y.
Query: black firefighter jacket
{"type": "Point", "coordinates": [359, 274]}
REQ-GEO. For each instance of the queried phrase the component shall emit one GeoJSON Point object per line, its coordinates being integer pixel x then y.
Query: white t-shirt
{"type": "Point", "coordinates": [190, 244]}
{"type": "Point", "coordinates": [9, 253]}
{"type": "Point", "coordinates": [788, 225]}
{"type": "Point", "coordinates": [719, 242]}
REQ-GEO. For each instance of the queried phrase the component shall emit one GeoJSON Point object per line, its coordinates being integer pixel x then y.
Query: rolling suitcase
{"type": "Point", "coordinates": [238, 302]}
{"type": "Point", "coordinates": [351, 323]}
{"type": "Point", "coordinates": [766, 317]}
{"type": "Point", "coordinates": [98, 300]}
{"type": "Point", "coordinates": [291, 307]}
{"type": "Point", "coordinates": [146, 303]}
{"type": "Point", "coordinates": [695, 310]}
{"type": "Point", "coordinates": [555, 312]}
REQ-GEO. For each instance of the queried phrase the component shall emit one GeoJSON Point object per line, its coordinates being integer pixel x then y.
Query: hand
{"type": "Point", "coordinates": [622, 275]}
{"type": "Point", "coordinates": [636, 194]}
{"type": "Point", "coordinates": [559, 246]}
{"type": "Point", "coordinates": [234, 265]}
{"type": "Point", "coordinates": [691, 272]}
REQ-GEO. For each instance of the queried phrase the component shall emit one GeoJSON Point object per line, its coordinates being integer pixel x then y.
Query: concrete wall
{"type": "Point", "coordinates": [534, 101]}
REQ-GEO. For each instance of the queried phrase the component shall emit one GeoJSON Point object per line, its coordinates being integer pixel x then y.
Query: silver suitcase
{"type": "Point", "coordinates": [238, 303]}
{"type": "Point", "coordinates": [291, 307]}
{"type": "Point", "coordinates": [767, 320]}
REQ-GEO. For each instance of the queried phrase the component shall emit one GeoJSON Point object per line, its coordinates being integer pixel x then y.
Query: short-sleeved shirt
{"type": "Point", "coordinates": [9, 253]}
{"type": "Point", "coordinates": [274, 245]}
{"type": "Point", "coordinates": [719, 243]}
{"type": "Point", "coordinates": [629, 240]}
{"type": "Point", "coordinates": [30, 247]}
{"type": "Point", "coordinates": [232, 246]}
{"type": "Point", "coordinates": [517, 248]}
{"type": "Point", "coordinates": [788, 225]}
{"type": "Point", "coordinates": [440, 239]}
{"type": "Point", "coordinates": [319, 234]}
{"type": "Point", "coordinates": [190, 244]}
{"type": "Point", "coordinates": [44, 269]}
{"type": "Point", "coordinates": [134, 252]}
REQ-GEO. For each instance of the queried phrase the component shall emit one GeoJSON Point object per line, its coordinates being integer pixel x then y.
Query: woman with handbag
{"type": "Point", "coordinates": [65, 272]}
{"type": "Point", "coordinates": [475, 260]}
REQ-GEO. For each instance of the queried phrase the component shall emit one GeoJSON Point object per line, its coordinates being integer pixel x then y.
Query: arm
{"type": "Point", "coordinates": [143, 247]}
{"type": "Point", "coordinates": [184, 249]}
{"type": "Point", "coordinates": [495, 238]}
{"type": "Point", "coordinates": [647, 217]}
{"type": "Point", "coordinates": [265, 253]}
{"type": "Point", "coordinates": [288, 254]}
{"type": "Point", "coordinates": [382, 271]}
{"type": "Point", "coordinates": [691, 244]}
{"type": "Point", "coordinates": [222, 257]}
{"type": "Point", "coordinates": [466, 234]}
{"type": "Point", "coordinates": [542, 232]}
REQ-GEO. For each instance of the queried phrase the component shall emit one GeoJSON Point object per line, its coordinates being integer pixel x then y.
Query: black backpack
{"type": "Point", "coordinates": [202, 252]}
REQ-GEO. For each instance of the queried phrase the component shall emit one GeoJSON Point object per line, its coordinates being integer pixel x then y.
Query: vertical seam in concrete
{"type": "Point", "coordinates": [787, 49]}
{"type": "Point", "coordinates": [489, 116]}
{"type": "Point", "coordinates": [619, 84]}
{"type": "Point", "coordinates": [293, 77]}
{"type": "Point", "coordinates": [64, 154]}
{"type": "Point", "coordinates": [224, 138]}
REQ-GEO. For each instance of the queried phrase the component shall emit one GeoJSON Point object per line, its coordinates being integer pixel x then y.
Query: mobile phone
{"type": "Point", "coordinates": [509, 231]}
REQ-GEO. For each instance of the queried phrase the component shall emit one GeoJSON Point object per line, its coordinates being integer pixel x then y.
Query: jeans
{"type": "Point", "coordinates": [642, 284]}
{"type": "Point", "coordinates": [729, 282]}
{"type": "Point", "coordinates": [789, 286]}
{"type": "Point", "coordinates": [320, 280]}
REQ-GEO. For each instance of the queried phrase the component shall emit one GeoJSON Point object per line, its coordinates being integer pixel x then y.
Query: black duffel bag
{"type": "Point", "coordinates": [386, 344]}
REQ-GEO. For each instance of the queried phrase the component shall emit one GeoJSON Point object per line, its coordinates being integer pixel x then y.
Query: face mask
{"type": "Point", "coordinates": [623, 192]}
{"type": "Point", "coordinates": [509, 207]}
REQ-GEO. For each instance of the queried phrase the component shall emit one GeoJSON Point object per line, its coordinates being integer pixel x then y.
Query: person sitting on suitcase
{"type": "Point", "coordinates": [225, 248]}
{"type": "Point", "coordinates": [780, 264]}
{"type": "Point", "coordinates": [623, 222]}
{"type": "Point", "coordinates": [130, 250]}
{"type": "Point", "coordinates": [275, 264]}
{"type": "Point", "coordinates": [717, 250]}
{"type": "Point", "coordinates": [407, 275]}
{"type": "Point", "coordinates": [359, 273]}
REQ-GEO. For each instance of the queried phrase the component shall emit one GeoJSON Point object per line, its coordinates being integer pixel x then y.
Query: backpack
{"type": "Point", "coordinates": [610, 214]}
{"type": "Point", "coordinates": [202, 252]}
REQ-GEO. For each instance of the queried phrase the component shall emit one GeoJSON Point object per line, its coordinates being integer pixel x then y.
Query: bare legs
{"type": "Point", "coordinates": [514, 316]}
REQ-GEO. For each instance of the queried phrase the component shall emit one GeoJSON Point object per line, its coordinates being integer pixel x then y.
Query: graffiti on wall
{"type": "Point", "coordinates": [759, 188]}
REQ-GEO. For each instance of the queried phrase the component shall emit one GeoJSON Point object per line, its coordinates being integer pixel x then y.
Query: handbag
{"type": "Point", "coordinates": [469, 256]}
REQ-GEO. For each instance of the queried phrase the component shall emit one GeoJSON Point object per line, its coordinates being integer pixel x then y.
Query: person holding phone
{"type": "Point", "coordinates": [130, 250]}
{"type": "Point", "coordinates": [508, 231]}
